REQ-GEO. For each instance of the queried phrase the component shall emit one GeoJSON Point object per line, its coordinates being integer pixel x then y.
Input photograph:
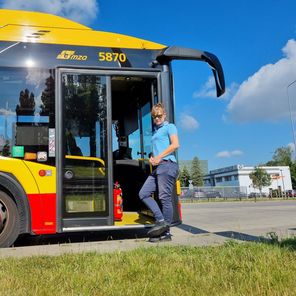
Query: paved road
{"type": "Point", "coordinates": [203, 224]}
{"type": "Point", "coordinates": [244, 218]}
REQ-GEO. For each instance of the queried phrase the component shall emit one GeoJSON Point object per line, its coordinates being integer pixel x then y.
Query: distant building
{"type": "Point", "coordinates": [238, 175]}
{"type": "Point", "coordinates": [188, 163]}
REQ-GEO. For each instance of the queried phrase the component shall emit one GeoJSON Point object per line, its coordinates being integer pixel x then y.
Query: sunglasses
{"type": "Point", "coordinates": [157, 116]}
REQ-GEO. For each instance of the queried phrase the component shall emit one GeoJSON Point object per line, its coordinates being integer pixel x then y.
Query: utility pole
{"type": "Point", "coordinates": [291, 117]}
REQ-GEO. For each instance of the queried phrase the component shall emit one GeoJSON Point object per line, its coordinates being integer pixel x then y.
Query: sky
{"type": "Point", "coordinates": [255, 42]}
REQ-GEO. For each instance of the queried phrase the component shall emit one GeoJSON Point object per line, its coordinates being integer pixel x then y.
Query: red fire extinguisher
{"type": "Point", "coordinates": [117, 197]}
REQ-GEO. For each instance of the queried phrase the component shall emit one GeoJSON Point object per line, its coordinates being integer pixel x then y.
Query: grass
{"type": "Point", "coordinates": [231, 269]}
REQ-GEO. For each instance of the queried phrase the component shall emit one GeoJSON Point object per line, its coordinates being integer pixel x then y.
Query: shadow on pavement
{"type": "Point", "coordinates": [228, 234]}
{"type": "Point", "coordinates": [80, 237]}
{"type": "Point", "coordinates": [243, 236]}
{"type": "Point", "coordinates": [192, 229]}
{"type": "Point", "coordinates": [95, 236]}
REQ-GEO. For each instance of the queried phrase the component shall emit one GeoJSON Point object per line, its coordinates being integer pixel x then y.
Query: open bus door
{"type": "Point", "coordinates": [133, 94]}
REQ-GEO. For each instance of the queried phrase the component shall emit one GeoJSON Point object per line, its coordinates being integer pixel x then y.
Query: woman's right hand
{"type": "Point", "coordinates": [151, 160]}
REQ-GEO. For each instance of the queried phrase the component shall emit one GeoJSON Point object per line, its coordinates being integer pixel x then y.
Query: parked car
{"type": "Point", "coordinates": [187, 193]}
{"type": "Point", "coordinates": [236, 194]}
{"type": "Point", "coordinates": [257, 194]}
{"type": "Point", "coordinates": [291, 193]}
{"type": "Point", "coordinates": [199, 193]}
{"type": "Point", "coordinates": [213, 194]}
{"type": "Point", "coordinates": [193, 193]}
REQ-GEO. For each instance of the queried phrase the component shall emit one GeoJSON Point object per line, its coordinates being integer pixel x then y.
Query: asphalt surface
{"type": "Point", "coordinates": [204, 224]}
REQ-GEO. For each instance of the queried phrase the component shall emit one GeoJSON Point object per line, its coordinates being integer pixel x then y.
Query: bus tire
{"type": "Point", "coordinates": [9, 221]}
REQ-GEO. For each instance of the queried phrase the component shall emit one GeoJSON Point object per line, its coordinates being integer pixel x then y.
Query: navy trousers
{"type": "Point", "coordinates": [161, 180]}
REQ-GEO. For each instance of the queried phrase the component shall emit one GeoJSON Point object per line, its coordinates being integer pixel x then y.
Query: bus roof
{"type": "Point", "coordinates": [37, 27]}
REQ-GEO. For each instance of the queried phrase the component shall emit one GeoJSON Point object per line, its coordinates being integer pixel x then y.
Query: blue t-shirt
{"type": "Point", "coordinates": [161, 139]}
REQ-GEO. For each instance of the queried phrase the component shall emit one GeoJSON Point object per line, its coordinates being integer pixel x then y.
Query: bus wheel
{"type": "Point", "coordinates": [9, 221]}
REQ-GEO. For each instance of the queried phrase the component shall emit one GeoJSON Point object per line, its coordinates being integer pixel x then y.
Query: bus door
{"type": "Point", "coordinates": [132, 99]}
{"type": "Point", "coordinates": [84, 183]}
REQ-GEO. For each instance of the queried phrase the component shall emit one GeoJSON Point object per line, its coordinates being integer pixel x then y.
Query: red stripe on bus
{"type": "Point", "coordinates": [43, 213]}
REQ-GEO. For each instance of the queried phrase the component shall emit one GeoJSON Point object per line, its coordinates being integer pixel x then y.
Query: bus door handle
{"type": "Point", "coordinates": [140, 153]}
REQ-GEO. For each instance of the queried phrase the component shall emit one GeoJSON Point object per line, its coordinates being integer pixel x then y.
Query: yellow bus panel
{"type": "Point", "coordinates": [30, 18]}
{"type": "Point", "coordinates": [36, 27]}
{"type": "Point", "coordinates": [44, 175]}
{"type": "Point", "coordinates": [21, 172]}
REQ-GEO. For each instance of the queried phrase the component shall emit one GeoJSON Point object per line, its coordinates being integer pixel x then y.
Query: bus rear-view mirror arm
{"type": "Point", "coordinates": [182, 53]}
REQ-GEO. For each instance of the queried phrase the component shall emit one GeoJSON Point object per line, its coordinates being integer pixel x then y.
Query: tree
{"type": "Point", "coordinates": [27, 103]}
{"type": "Point", "coordinates": [293, 174]}
{"type": "Point", "coordinates": [281, 156]}
{"type": "Point", "coordinates": [196, 172]}
{"type": "Point", "coordinates": [48, 99]}
{"type": "Point", "coordinates": [260, 178]}
{"type": "Point", "coordinates": [184, 177]}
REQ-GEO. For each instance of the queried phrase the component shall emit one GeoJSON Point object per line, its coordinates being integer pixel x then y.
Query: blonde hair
{"type": "Point", "coordinates": [156, 107]}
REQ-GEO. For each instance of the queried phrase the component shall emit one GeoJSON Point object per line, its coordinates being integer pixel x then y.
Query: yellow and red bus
{"type": "Point", "coordinates": [75, 124]}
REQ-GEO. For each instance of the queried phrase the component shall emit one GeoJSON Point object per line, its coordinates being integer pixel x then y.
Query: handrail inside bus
{"type": "Point", "coordinates": [101, 161]}
{"type": "Point", "coordinates": [181, 53]}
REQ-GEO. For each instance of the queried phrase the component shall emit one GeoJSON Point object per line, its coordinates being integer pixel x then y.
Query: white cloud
{"type": "Point", "coordinates": [230, 91]}
{"type": "Point", "coordinates": [236, 152]}
{"type": "Point", "coordinates": [6, 112]}
{"type": "Point", "coordinates": [36, 77]}
{"type": "Point", "coordinates": [208, 90]}
{"type": "Point", "coordinates": [187, 122]}
{"type": "Point", "coordinates": [80, 11]}
{"type": "Point", "coordinates": [228, 154]}
{"type": "Point", "coordinates": [263, 96]}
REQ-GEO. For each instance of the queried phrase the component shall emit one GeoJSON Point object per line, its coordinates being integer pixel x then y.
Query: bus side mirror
{"type": "Point", "coordinates": [182, 53]}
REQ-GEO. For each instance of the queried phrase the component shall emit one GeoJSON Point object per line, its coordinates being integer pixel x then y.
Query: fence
{"type": "Point", "coordinates": [210, 193]}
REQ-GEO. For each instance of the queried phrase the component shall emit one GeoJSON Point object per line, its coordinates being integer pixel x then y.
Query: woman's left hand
{"type": "Point", "coordinates": [156, 160]}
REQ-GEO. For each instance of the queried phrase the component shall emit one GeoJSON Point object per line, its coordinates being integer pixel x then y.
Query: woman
{"type": "Point", "coordinates": [163, 177]}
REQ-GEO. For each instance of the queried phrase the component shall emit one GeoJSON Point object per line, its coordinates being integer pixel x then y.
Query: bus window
{"type": "Point", "coordinates": [131, 103]}
{"type": "Point", "coordinates": [85, 190]}
{"type": "Point", "coordinates": [140, 139]}
{"type": "Point", "coordinates": [147, 129]}
{"type": "Point", "coordinates": [26, 112]}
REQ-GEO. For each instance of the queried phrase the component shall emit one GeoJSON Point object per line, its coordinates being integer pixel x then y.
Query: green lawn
{"type": "Point", "coordinates": [231, 269]}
